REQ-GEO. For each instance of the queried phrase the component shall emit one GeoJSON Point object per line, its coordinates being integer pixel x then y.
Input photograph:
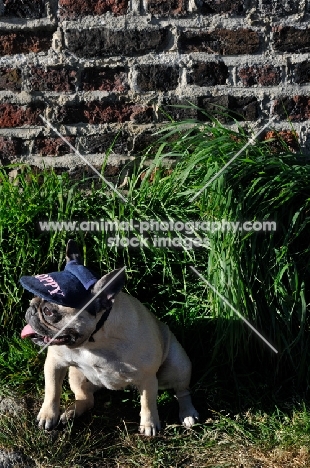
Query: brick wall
{"type": "Point", "coordinates": [101, 68]}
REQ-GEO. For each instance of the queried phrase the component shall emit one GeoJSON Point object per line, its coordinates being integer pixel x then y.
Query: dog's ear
{"type": "Point", "coordinates": [73, 252]}
{"type": "Point", "coordinates": [110, 284]}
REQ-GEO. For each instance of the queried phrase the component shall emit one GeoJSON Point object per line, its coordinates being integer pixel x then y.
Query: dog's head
{"type": "Point", "coordinates": [69, 304]}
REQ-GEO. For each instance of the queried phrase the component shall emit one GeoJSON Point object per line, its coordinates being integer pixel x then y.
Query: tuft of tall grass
{"type": "Point", "coordinates": [262, 274]}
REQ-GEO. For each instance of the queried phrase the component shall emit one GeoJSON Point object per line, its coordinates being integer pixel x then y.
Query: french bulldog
{"type": "Point", "coordinates": [106, 338]}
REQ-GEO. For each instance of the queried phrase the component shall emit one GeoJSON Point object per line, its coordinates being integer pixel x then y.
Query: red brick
{"type": "Point", "coordinates": [208, 74]}
{"type": "Point", "coordinates": [228, 108]}
{"type": "Point", "coordinates": [177, 108]}
{"type": "Point", "coordinates": [12, 115]}
{"type": "Point", "coordinates": [220, 41]}
{"type": "Point", "coordinates": [148, 139]}
{"type": "Point", "coordinates": [52, 146]}
{"type": "Point", "coordinates": [105, 79]}
{"type": "Point", "coordinates": [222, 6]}
{"type": "Point", "coordinates": [23, 42]}
{"type": "Point", "coordinates": [10, 149]}
{"type": "Point", "coordinates": [157, 77]}
{"type": "Point", "coordinates": [280, 7]}
{"type": "Point", "coordinates": [24, 8]}
{"type": "Point", "coordinates": [167, 7]}
{"type": "Point", "coordinates": [97, 112]}
{"type": "Point", "coordinates": [102, 42]}
{"type": "Point", "coordinates": [117, 142]}
{"type": "Point", "coordinates": [10, 79]}
{"type": "Point", "coordinates": [52, 79]}
{"type": "Point", "coordinates": [83, 173]}
{"type": "Point", "coordinates": [290, 39]}
{"type": "Point", "coordinates": [281, 140]}
{"type": "Point", "coordinates": [296, 108]}
{"type": "Point", "coordinates": [101, 112]}
{"type": "Point", "coordinates": [266, 75]}
{"type": "Point", "coordinates": [70, 115]}
{"type": "Point", "coordinates": [112, 171]}
{"type": "Point", "coordinates": [144, 140]}
{"type": "Point", "coordinates": [105, 111]}
{"type": "Point", "coordinates": [302, 72]}
{"type": "Point", "coordinates": [73, 9]}
{"type": "Point", "coordinates": [142, 114]}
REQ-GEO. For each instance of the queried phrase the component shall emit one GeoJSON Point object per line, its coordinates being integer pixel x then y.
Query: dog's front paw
{"type": "Point", "coordinates": [149, 426]}
{"type": "Point", "coordinates": [48, 417]}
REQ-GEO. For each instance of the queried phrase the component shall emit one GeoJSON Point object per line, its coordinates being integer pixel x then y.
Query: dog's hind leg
{"type": "Point", "coordinates": [175, 373]}
{"type": "Point", "coordinates": [84, 394]}
{"type": "Point", "coordinates": [187, 413]}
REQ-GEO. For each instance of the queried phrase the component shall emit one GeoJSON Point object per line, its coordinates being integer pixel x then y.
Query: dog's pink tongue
{"type": "Point", "coordinates": [27, 331]}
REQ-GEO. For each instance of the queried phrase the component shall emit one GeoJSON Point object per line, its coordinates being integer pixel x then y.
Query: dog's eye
{"type": "Point", "coordinates": [47, 311]}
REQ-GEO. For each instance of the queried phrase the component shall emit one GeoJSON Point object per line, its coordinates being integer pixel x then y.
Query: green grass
{"type": "Point", "coordinates": [252, 402]}
{"type": "Point", "coordinates": [263, 275]}
{"type": "Point", "coordinates": [107, 438]}
{"type": "Point", "coordinates": [18, 361]}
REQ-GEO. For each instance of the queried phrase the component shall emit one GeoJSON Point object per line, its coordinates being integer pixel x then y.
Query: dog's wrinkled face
{"type": "Point", "coordinates": [46, 319]}
{"type": "Point", "coordinates": [72, 326]}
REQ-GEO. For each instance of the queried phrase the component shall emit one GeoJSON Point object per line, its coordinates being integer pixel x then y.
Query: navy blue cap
{"type": "Point", "coordinates": [69, 288]}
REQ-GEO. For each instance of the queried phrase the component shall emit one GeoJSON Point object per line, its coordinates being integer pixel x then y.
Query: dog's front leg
{"type": "Point", "coordinates": [54, 374]}
{"type": "Point", "coordinates": [149, 422]}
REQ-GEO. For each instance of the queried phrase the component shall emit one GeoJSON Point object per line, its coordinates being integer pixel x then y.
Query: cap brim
{"type": "Point", "coordinates": [27, 283]}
